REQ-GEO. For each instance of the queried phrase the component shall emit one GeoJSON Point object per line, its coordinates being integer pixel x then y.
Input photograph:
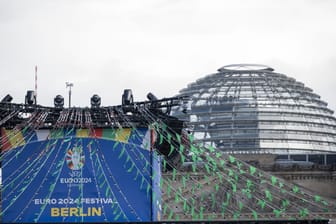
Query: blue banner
{"type": "Point", "coordinates": [156, 192]}
{"type": "Point", "coordinates": [79, 179]}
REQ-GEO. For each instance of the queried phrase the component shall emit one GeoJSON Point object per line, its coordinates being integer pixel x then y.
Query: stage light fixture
{"type": "Point", "coordinates": [95, 101]}
{"type": "Point", "coordinates": [127, 97]}
{"type": "Point", "coordinates": [59, 101]}
{"type": "Point", "coordinates": [151, 97]}
{"type": "Point", "coordinates": [30, 98]}
{"type": "Point", "coordinates": [7, 99]}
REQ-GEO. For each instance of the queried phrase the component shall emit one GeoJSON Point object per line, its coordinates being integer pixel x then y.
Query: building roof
{"type": "Point", "coordinates": [249, 108]}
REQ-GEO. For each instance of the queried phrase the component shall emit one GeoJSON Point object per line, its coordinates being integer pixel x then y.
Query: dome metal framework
{"type": "Point", "coordinates": [249, 108]}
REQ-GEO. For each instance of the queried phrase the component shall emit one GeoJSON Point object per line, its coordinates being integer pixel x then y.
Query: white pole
{"type": "Point", "coordinates": [35, 93]}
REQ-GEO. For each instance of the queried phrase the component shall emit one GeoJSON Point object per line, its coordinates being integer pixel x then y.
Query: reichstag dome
{"type": "Point", "coordinates": [250, 109]}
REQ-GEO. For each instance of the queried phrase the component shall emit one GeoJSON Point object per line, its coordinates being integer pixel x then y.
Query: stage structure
{"type": "Point", "coordinates": [93, 164]}
{"type": "Point", "coordinates": [132, 162]}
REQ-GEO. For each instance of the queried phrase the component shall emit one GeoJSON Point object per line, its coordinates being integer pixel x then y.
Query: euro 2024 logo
{"type": "Point", "coordinates": [75, 160]}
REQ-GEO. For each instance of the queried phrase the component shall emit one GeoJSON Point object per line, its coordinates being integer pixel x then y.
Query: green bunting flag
{"type": "Point", "coordinates": [268, 195]}
{"type": "Point", "coordinates": [274, 180]}
{"type": "Point", "coordinates": [164, 164]}
{"type": "Point", "coordinates": [169, 137]}
{"type": "Point", "coordinates": [285, 203]}
{"type": "Point", "coordinates": [234, 187]}
{"type": "Point", "coordinates": [240, 206]}
{"type": "Point", "coordinates": [171, 150]}
{"type": "Point", "coordinates": [304, 212]}
{"type": "Point", "coordinates": [262, 204]}
{"type": "Point", "coordinates": [121, 153]}
{"type": "Point", "coordinates": [216, 187]}
{"type": "Point", "coordinates": [191, 138]}
{"type": "Point", "coordinates": [277, 213]}
{"type": "Point", "coordinates": [232, 159]}
{"type": "Point", "coordinates": [115, 145]}
{"type": "Point", "coordinates": [193, 166]}
{"type": "Point", "coordinates": [178, 137]}
{"type": "Point", "coordinates": [211, 149]}
{"type": "Point", "coordinates": [281, 184]}
{"type": "Point", "coordinates": [295, 189]}
{"type": "Point", "coordinates": [181, 148]}
{"type": "Point", "coordinates": [317, 198]}
{"type": "Point", "coordinates": [185, 205]}
{"type": "Point", "coordinates": [176, 198]}
{"type": "Point", "coordinates": [161, 139]}
{"type": "Point", "coordinates": [168, 190]}
{"type": "Point", "coordinates": [131, 168]}
{"type": "Point", "coordinates": [164, 126]}
{"type": "Point", "coordinates": [255, 214]}
{"type": "Point", "coordinates": [248, 184]}
{"type": "Point", "coordinates": [184, 181]}
{"type": "Point", "coordinates": [174, 173]}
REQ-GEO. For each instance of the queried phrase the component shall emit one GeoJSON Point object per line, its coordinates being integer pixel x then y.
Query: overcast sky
{"type": "Point", "coordinates": [159, 46]}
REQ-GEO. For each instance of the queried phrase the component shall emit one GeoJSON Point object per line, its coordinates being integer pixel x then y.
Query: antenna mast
{"type": "Point", "coordinates": [35, 93]}
{"type": "Point", "coordinates": [69, 85]}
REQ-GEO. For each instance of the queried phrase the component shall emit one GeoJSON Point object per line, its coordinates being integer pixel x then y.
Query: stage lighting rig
{"type": "Point", "coordinates": [127, 101]}
{"type": "Point", "coordinates": [7, 99]}
{"type": "Point", "coordinates": [95, 101]}
{"type": "Point", "coordinates": [127, 97]}
{"type": "Point", "coordinates": [30, 98]}
{"type": "Point", "coordinates": [59, 102]}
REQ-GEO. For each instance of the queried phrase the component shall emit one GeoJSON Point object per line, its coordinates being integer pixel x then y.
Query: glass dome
{"type": "Point", "coordinates": [248, 108]}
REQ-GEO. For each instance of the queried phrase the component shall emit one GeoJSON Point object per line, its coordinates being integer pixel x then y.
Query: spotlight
{"type": "Point", "coordinates": [7, 99]}
{"type": "Point", "coordinates": [126, 101]}
{"type": "Point", "coordinates": [151, 97]}
{"type": "Point", "coordinates": [30, 98]}
{"type": "Point", "coordinates": [95, 101]}
{"type": "Point", "coordinates": [127, 97]}
{"type": "Point", "coordinates": [59, 101]}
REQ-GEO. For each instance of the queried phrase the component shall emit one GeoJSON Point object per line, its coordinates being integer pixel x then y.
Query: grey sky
{"type": "Point", "coordinates": [159, 46]}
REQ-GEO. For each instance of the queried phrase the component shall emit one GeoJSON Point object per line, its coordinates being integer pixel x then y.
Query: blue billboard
{"type": "Point", "coordinates": [80, 176]}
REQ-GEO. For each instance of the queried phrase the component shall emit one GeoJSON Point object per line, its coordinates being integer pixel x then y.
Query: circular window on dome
{"type": "Point", "coordinates": [245, 67]}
